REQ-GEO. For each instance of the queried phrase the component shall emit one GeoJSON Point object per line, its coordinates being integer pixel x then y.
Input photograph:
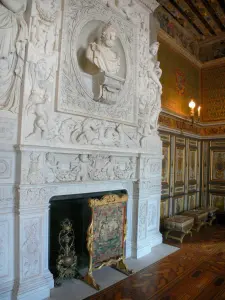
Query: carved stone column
{"type": "Point", "coordinates": [33, 279]}
{"type": "Point", "coordinates": [146, 204]}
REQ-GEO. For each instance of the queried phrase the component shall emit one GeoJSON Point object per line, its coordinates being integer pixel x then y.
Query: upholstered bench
{"type": "Point", "coordinates": [180, 225]}
{"type": "Point", "coordinates": [211, 214]}
{"type": "Point", "coordinates": [200, 217]}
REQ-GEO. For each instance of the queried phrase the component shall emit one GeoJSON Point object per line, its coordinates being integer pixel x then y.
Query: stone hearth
{"type": "Point", "coordinates": [57, 138]}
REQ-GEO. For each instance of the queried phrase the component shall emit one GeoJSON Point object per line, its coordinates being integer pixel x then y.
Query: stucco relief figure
{"type": "Point", "coordinates": [153, 71]}
{"type": "Point", "coordinates": [101, 53]}
{"type": "Point", "coordinates": [41, 76]}
{"type": "Point", "coordinates": [44, 33]}
{"type": "Point", "coordinates": [13, 36]}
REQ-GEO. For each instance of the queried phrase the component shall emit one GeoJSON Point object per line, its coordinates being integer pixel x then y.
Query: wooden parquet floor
{"type": "Point", "coordinates": [196, 271]}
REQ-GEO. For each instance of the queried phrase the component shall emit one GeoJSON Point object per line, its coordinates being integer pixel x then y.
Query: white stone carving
{"type": "Point", "coordinates": [150, 168]}
{"type": "Point", "coordinates": [150, 104]}
{"type": "Point", "coordinates": [5, 167]}
{"type": "Point", "coordinates": [96, 132]}
{"type": "Point", "coordinates": [7, 197]}
{"type": "Point", "coordinates": [36, 197]}
{"type": "Point", "coordinates": [70, 144]}
{"type": "Point", "coordinates": [101, 53]}
{"type": "Point", "coordinates": [31, 246]}
{"type": "Point", "coordinates": [75, 93]}
{"type": "Point", "coordinates": [152, 216]}
{"type": "Point", "coordinates": [51, 167]}
{"type": "Point", "coordinates": [45, 26]}
{"type": "Point", "coordinates": [8, 130]}
{"type": "Point", "coordinates": [13, 36]}
{"type": "Point", "coordinates": [42, 75]}
{"type": "Point", "coordinates": [4, 248]}
{"type": "Point", "coordinates": [142, 220]}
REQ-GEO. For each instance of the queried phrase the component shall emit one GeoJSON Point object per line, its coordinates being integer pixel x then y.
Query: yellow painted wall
{"type": "Point", "coordinates": [177, 69]}
{"type": "Point", "coordinates": [213, 93]}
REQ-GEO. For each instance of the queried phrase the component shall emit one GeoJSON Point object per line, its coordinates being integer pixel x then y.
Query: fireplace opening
{"type": "Point", "coordinates": [76, 209]}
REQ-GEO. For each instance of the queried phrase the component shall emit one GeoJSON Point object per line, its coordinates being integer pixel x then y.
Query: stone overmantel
{"type": "Point", "coordinates": [56, 139]}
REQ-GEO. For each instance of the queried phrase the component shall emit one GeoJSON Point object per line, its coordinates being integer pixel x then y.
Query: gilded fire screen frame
{"type": "Point", "coordinates": [105, 208]}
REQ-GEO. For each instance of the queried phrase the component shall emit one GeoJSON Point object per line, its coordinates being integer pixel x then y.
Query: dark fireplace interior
{"type": "Point", "coordinates": [75, 208]}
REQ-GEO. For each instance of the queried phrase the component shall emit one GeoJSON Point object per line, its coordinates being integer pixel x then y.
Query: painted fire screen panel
{"type": "Point", "coordinates": [106, 235]}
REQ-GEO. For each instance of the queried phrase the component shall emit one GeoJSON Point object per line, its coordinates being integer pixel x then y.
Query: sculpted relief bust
{"type": "Point", "coordinates": [106, 82]}
{"type": "Point", "coordinates": [101, 54]}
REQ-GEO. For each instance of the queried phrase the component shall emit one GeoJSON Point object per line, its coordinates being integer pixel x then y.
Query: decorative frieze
{"type": "Point", "coordinates": [51, 167]}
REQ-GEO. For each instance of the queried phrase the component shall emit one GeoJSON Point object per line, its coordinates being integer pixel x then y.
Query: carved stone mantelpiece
{"type": "Point", "coordinates": [81, 128]}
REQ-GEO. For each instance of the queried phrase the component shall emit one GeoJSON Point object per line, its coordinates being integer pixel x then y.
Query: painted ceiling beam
{"type": "Point", "coordinates": [200, 17]}
{"type": "Point", "coordinates": [186, 16]}
{"type": "Point", "coordinates": [222, 5]}
{"type": "Point", "coordinates": [213, 15]}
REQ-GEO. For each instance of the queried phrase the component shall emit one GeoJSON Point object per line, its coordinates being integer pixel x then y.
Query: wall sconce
{"type": "Point", "coordinates": [192, 111]}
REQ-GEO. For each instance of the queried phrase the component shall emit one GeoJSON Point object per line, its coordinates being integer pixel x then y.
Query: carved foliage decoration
{"type": "Point", "coordinates": [152, 216]}
{"type": "Point", "coordinates": [73, 95]}
{"type": "Point", "coordinates": [142, 219]}
{"type": "Point", "coordinates": [31, 247]}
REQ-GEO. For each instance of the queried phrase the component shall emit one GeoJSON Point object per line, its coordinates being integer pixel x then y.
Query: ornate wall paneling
{"type": "Point", "coordinates": [192, 201]}
{"type": "Point", "coordinates": [178, 204]}
{"type": "Point", "coordinates": [166, 165]}
{"type": "Point", "coordinates": [179, 165]}
{"type": "Point", "coordinates": [164, 209]}
{"type": "Point", "coordinates": [193, 165]}
{"type": "Point", "coordinates": [217, 173]}
{"type": "Point", "coordinates": [205, 166]}
{"type": "Point", "coordinates": [217, 200]}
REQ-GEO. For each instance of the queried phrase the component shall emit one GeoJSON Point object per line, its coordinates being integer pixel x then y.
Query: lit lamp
{"type": "Point", "coordinates": [192, 111]}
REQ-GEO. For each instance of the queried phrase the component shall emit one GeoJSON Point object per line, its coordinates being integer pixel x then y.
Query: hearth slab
{"type": "Point", "coordinates": [77, 290]}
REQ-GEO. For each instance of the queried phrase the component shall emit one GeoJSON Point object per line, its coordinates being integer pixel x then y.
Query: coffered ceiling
{"type": "Point", "coordinates": [202, 20]}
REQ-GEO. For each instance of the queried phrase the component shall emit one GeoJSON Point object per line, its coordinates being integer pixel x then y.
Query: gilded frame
{"type": "Point", "coordinates": [118, 261]}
